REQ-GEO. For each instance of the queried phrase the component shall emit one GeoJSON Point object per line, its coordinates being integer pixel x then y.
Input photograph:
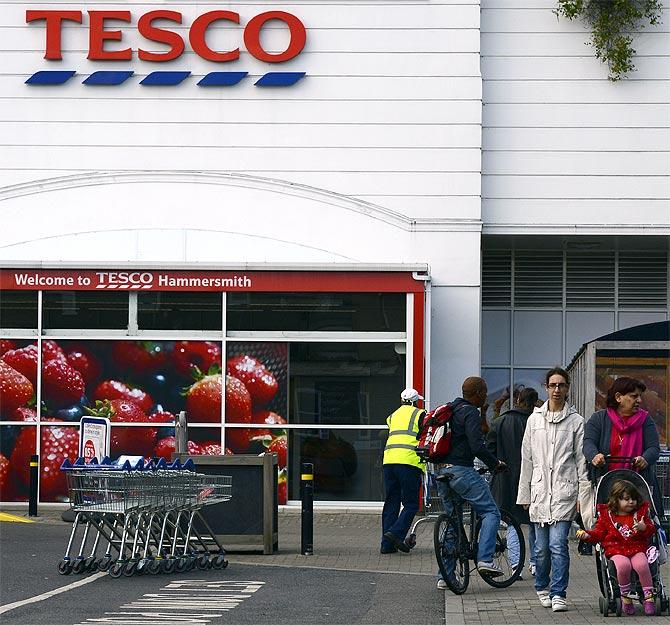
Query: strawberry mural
{"type": "Point", "coordinates": [140, 386]}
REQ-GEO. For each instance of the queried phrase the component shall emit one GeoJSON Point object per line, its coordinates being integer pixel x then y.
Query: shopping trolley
{"type": "Point", "coordinates": [663, 479]}
{"type": "Point", "coordinates": [142, 519]}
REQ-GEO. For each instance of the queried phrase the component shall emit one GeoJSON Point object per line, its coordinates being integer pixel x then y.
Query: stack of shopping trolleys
{"type": "Point", "coordinates": [142, 519]}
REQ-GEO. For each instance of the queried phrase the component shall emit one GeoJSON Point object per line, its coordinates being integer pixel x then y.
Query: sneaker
{"type": "Point", "coordinates": [531, 569]}
{"type": "Point", "coordinates": [628, 606]}
{"type": "Point", "coordinates": [489, 568]}
{"type": "Point", "coordinates": [545, 599]}
{"type": "Point", "coordinates": [441, 584]}
{"type": "Point", "coordinates": [649, 604]}
{"type": "Point", "coordinates": [559, 604]}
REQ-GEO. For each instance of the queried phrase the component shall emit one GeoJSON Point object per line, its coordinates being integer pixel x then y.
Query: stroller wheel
{"type": "Point", "coordinates": [659, 605]}
{"type": "Point", "coordinates": [618, 606]}
{"type": "Point", "coordinates": [606, 608]}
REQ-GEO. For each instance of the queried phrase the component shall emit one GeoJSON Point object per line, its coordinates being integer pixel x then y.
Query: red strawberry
{"type": "Point", "coordinates": [4, 478]}
{"type": "Point", "coordinates": [210, 448]}
{"type": "Point", "coordinates": [52, 351]}
{"type": "Point", "coordinates": [162, 416]}
{"type": "Point", "coordinates": [138, 357]}
{"type": "Point", "coordinates": [279, 446]}
{"type": "Point", "coordinates": [238, 401]}
{"type": "Point", "coordinates": [113, 389]}
{"type": "Point", "coordinates": [84, 361]}
{"type": "Point", "coordinates": [62, 384]}
{"type": "Point", "coordinates": [282, 493]}
{"type": "Point", "coordinates": [190, 354]}
{"type": "Point", "coordinates": [240, 439]}
{"type": "Point", "coordinates": [129, 441]}
{"type": "Point", "coordinates": [6, 345]}
{"type": "Point", "coordinates": [57, 443]}
{"type": "Point", "coordinates": [23, 414]}
{"type": "Point", "coordinates": [15, 389]}
{"type": "Point", "coordinates": [24, 360]}
{"type": "Point", "coordinates": [203, 400]}
{"type": "Point", "coordinates": [269, 417]}
{"type": "Point", "coordinates": [262, 385]}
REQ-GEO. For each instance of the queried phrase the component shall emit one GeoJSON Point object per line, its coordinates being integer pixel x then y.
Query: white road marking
{"type": "Point", "coordinates": [182, 602]}
{"type": "Point", "coordinates": [51, 593]}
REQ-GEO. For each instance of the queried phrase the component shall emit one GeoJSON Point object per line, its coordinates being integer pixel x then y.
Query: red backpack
{"type": "Point", "coordinates": [435, 435]}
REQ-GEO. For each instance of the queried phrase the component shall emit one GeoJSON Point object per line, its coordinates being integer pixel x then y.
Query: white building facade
{"type": "Point", "coordinates": [437, 163]}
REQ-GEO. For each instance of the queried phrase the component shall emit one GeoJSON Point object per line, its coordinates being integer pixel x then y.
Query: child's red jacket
{"type": "Point", "coordinates": [613, 541]}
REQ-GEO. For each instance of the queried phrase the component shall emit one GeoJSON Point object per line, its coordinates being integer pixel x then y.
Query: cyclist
{"type": "Point", "coordinates": [467, 443]}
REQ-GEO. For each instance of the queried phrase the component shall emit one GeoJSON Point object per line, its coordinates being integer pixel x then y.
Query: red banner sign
{"type": "Point", "coordinates": [160, 280]}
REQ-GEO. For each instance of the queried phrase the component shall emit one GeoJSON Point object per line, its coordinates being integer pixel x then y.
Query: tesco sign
{"type": "Point", "coordinates": [101, 30]}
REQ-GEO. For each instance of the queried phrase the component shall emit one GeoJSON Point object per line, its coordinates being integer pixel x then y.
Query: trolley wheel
{"type": "Point", "coordinates": [182, 564]}
{"type": "Point", "coordinates": [131, 568]}
{"type": "Point", "coordinates": [117, 569]}
{"type": "Point", "coordinates": [509, 531]}
{"type": "Point", "coordinates": [410, 541]}
{"type": "Point", "coordinates": [79, 566]}
{"type": "Point", "coordinates": [143, 566]}
{"type": "Point", "coordinates": [154, 567]}
{"type": "Point", "coordinates": [91, 564]}
{"type": "Point", "coordinates": [618, 606]}
{"type": "Point", "coordinates": [169, 565]}
{"type": "Point", "coordinates": [219, 562]}
{"type": "Point", "coordinates": [451, 552]}
{"type": "Point", "coordinates": [65, 567]}
{"type": "Point", "coordinates": [105, 563]}
{"type": "Point", "coordinates": [203, 562]}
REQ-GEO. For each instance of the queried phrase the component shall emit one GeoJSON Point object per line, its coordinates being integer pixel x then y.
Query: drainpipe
{"type": "Point", "coordinates": [426, 334]}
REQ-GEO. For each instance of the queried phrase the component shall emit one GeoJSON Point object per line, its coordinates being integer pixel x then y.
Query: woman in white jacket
{"type": "Point", "coordinates": [553, 469]}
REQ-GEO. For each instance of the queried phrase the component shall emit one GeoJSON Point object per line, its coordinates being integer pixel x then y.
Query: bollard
{"type": "Point", "coordinates": [307, 496]}
{"type": "Point", "coordinates": [34, 472]}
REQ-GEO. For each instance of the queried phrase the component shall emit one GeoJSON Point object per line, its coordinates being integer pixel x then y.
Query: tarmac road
{"type": "Point", "coordinates": [239, 594]}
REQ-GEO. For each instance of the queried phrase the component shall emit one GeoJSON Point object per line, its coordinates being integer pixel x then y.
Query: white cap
{"type": "Point", "coordinates": [410, 394]}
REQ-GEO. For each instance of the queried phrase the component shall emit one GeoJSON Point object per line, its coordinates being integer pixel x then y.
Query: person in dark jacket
{"type": "Point", "coordinates": [504, 441]}
{"type": "Point", "coordinates": [625, 429]}
{"type": "Point", "coordinates": [467, 443]}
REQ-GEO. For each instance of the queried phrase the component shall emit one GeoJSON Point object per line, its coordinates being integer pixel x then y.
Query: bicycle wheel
{"type": "Point", "coordinates": [451, 553]}
{"type": "Point", "coordinates": [510, 551]}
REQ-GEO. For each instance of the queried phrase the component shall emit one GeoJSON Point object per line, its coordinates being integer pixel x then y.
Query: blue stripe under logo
{"type": "Point", "coordinates": [166, 79]}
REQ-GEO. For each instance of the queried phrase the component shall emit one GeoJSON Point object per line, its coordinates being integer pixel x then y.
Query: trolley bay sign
{"type": "Point", "coordinates": [106, 34]}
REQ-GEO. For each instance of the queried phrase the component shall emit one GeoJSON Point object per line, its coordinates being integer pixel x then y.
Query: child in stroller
{"type": "Point", "coordinates": [627, 534]}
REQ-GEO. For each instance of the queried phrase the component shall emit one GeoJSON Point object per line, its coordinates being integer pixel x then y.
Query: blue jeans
{"type": "Point", "coordinates": [552, 556]}
{"type": "Point", "coordinates": [514, 549]}
{"type": "Point", "coordinates": [472, 487]}
{"type": "Point", "coordinates": [402, 485]}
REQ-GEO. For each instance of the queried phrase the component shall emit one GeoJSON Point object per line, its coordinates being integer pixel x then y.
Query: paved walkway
{"type": "Point", "coordinates": [349, 540]}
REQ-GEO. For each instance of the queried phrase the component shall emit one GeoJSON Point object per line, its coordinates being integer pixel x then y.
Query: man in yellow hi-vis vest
{"type": "Point", "coordinates": [403, 471]}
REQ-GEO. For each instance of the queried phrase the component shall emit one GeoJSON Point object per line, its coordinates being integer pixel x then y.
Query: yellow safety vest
{"type": "Point", "coordinates": [403, 428]}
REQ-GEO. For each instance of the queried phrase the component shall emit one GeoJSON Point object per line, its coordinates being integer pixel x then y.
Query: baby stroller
{"type": "Point", "coordinates": [610, 602]}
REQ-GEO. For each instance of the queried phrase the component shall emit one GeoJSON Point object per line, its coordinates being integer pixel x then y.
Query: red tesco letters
{"type": "Point", "coordinates": [101, 29]}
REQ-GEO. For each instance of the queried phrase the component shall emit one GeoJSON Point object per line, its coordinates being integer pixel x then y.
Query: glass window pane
{"type": "Point", "coordinates": [179, 311]}
{"type": "Point", "coordinates": [495, 337]}
{"type": "Point", "coordinates": [497, 381]}
{"type": "Point", "coordinates": [56, 444]}
{"type": "Point", "coordinates": [537, 337]}
{"type": "Point", "coordinates": [532, 378]}
{"type": "Point", "coordinates": [66, 310]}
{"type": "Point", "coordinates": [18, 309]}
{"type": "Point", "coordinates": [256, 389]}
{"type": "Point", "coordinates": [583, 327]}
{"type": "Point", "coordinates": [347, 463]}
{"type": "Point", "coordinates": [341, 312]}
{"type": "Point", "coordinates": [17, 444]}
{"type": "Point", "coordinates": [344, 383]}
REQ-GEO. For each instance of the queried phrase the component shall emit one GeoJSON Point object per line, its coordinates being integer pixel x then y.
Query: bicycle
{"type": "Point", "coordinates": [454, 549]}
